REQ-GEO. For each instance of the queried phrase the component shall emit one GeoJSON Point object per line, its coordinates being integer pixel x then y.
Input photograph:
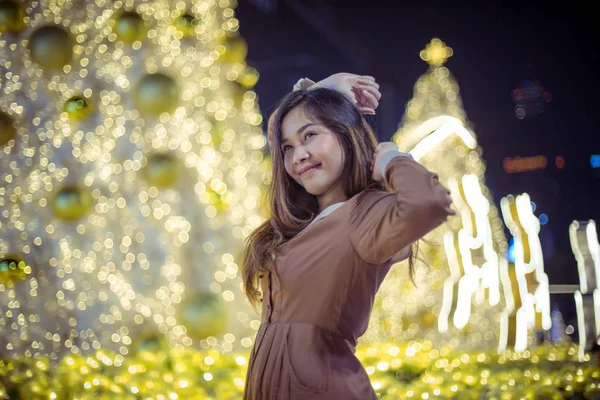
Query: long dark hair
{"type": "Point", "coordinates": [292, 208]}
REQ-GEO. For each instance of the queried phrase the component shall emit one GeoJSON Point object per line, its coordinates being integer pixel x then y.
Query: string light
{"type": "Point", "coordinates": [131, 176]}
{"type": "Point", "coordinates": [474, 267]}
{"type": "Point", "coordinates": [435, 132]}
{"type": "Point", "coordinates": [533, 305]}
{"type": "Point", "coordinates": [585, 246]}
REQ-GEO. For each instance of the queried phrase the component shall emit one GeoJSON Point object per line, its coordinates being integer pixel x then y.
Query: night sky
{"type": "Point", "coordinates": [495, 48]}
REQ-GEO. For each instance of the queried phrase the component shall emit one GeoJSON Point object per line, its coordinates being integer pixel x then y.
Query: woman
{"type": "Point", "coordinates": [334, 232]}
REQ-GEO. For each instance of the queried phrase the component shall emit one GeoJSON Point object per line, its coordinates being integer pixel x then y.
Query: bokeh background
{"type": "Point", "coordinates": [133, 164]}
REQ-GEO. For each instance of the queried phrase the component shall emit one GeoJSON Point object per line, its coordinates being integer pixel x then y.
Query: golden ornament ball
{"type": "Point", "coordinates": [235, 49]}
{"type": "Point", "coordinates": [78, 107]}
{"type": "Point", "coordinates": [249, 77]}
{"type": "Point", "coordinates": [11, 16]}
{"type": "Point", "coordinates": [427, 319]}
{"type": "Point", "coordinates": [71, 202]}
{"type": "Point", "coordinates": [218, 200]}
{"type": "Point", "coordinates": [156, 94]}
{"type": "Point", "coordinates": [51, 47]}
{"type": "Point", "coordinates": [130, 27]}
{"type": "Point", "coordinates": [203, 315]}
{"type": "Point", "coordinates": [13, 269]}
{"type": "Point", "coordinates": [187, 24]}
{"type": "Point", "coordinates": [7, 128]}
{"type": "Point", "coordinates": [162, 170]}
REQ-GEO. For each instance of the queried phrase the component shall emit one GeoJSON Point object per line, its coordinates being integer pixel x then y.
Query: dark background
{"type": "Point", "coordinates": [496, 47]}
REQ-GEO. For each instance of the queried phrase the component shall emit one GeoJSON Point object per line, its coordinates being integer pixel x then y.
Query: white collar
{"type": "Point", "coordinates": [328, 210]}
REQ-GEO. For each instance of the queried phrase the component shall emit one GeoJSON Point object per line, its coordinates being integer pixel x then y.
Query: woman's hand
{"type": "Point", "coordinates": [362, 90]}
{"type": "Point", "coordinates": [381, 149]}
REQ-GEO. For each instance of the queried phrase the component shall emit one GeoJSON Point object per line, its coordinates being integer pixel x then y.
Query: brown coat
{"type": "Point", "coordinates": [329, 275]}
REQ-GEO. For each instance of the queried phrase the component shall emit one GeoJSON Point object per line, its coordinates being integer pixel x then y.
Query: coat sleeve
{"type": "Point", "coordinates": [383, 225]}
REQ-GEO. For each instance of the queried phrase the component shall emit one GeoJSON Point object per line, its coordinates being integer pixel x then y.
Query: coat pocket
{"type": "Point", "coordinates": [308, 360]}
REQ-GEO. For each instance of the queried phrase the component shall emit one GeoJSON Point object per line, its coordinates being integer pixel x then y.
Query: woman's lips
{"type": "Point", "coordinates": [311, 168]}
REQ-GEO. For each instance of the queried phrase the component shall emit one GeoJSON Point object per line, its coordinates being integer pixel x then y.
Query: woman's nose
{"type": "Point", "coordinates": [300, 154]}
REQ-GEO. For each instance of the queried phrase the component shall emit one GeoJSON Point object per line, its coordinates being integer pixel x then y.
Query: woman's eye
{"type": "Point", "coordinates": [286, 147]}
{"type": "Point", "coordinates": [308, 134]}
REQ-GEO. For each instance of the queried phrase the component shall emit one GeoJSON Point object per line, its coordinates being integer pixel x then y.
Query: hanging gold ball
{"type": "Point", "coordinates": [249, 77]}
{"type": "Point", "coordinates": [187, 24]}
{"type": "Point", "coordinates": [217, 200]}
{"type": "Point", "coordinates": [78, 107]}
{"type": "Point", "coordinates": [162, 170]}
{"type": "Point", "coordinates": [203, 315]}
{"type": "Point", "coordinates": [130, 27]}
{"type": "Point", "coordinates": [427, 319]}
{"type": "Point", "coordinates": [51, 47]}
{"type": "Point", "coordinates": [12, 269]}
{"type": "Point", "coordinates": [156, 94]}
{"type": "Point", "coordinates": [11, 17]}
{"type": "Point", "coordinates": [71, 202]}
{"type": "Point", "coordinates": [7, 128]}
{"type": "Point", "coordinates": [234, 49]}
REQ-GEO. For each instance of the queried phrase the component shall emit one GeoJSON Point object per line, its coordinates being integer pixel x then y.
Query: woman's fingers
{"type": "Point", "coordinates": [371, 89]}
{"type": "Point", "coordinates": [365, 100]}
{"type": "Point", "coordinates": [369, 99]}
{"type": "Point", "coordinates": [372, 84]}
{"type": "Point", "coordinates": [367, 78]}
{"type": "Point", "coordinates": [366, 110]}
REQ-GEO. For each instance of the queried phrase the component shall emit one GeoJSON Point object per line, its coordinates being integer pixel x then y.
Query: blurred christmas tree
{"type": "Point", "coordinates": [456, 300]}
{"type": "Point", "coordinates": [131, 168]}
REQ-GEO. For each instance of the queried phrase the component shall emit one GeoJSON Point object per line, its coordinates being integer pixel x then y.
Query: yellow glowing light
{"type": "Point", "coordinates": [440, 128]}
{"type": "Point", "coordinates": [533, 303]}
{"type": "Point", "coordinates": [474, 268]}
{"type": "Point", "coordinates": [436, 132]}
{"type": "Point", "coordinates": [585, 246]}
{"type": "Point", "coordinates": [436, 53]}
{"type": "Point", "coordinates": [125, 240]}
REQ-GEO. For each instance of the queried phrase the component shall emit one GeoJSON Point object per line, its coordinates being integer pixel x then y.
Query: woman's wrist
{"type": "Point", "coordinates": [385, 158]}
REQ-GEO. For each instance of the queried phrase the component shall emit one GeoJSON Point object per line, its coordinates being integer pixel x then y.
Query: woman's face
{"type": "Point", "coordinates": [313, 155]}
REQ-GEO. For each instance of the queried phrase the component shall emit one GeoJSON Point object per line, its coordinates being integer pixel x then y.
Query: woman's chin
{"type": "Point", "coordinates": [315, 191]}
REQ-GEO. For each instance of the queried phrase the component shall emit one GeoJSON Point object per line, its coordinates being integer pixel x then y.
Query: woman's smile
{"type": "Point", "coordinates": [308, 170]}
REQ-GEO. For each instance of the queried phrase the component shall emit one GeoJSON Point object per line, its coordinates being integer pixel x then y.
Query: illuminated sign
{"type": "Point", "coordinates": [533, 163]}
